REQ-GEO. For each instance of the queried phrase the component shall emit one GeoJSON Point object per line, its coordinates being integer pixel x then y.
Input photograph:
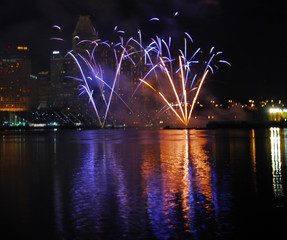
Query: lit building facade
{"type": "Point", "coordinates": [44, 89]}
{"type": "Point", "coordinates": [277, 114]}
{"type": "Point", "coordinates": [65, 91]}
{"type": "Point", "coordinates": [16, 85]}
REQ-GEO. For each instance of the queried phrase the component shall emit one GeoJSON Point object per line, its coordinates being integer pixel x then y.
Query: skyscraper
{"type": "Point", "coordinates": [66, 90]}
{"type": "Point", "coordinates": [84, 30]}
{"type": "Point", "coordinates": [16, 86]}
{"type": "Point", "coordinates": [44, 89]}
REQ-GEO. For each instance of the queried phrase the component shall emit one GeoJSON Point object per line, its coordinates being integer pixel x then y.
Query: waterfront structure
{"type": "Point", "coordinates": [65, 91]}
{"type": "Point", "coordinates": [84, 30]}
{"type": "Point", "coordinates": [17, 88]}
{"type": "Point", "coordinates": [44, 89]}
{"type": "Point", "coordinates": [277, 114]}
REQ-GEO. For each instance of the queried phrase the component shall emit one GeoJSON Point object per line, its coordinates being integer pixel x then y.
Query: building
{"type": "Point", "coordinates": [44, 89]}
{"type": "Point", "coordinates": [84, 31]}
{"type": "Point", "coordinates": [104, 60]}
{"type": "Point", "coordinates": [66, 90]}
{"type": "Point", "coordinates": [277, 114]}
{"type": "Point", "coordinates": [17, 88]}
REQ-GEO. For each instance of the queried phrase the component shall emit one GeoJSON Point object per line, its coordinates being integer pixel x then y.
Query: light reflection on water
{"type": "Point", "coordinates": [139, 184]}
{"type": "Point", "coordinates": [179, 179]}
{"type": "Point", "coordinates": [158, 184]}
{"type": "Point", "coordinates": [276, 161]}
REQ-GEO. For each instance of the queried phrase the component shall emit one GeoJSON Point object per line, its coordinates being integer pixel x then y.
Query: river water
{"type": "Point", "coordinates": [143, 184]}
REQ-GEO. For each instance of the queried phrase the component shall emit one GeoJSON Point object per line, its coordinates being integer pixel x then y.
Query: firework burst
{"type": "Point", "coordinates": [91, 73]}
{"type": "Point", "coordinates": [179, 88]}
{"type": "Point", "coordinates": [179, 79]}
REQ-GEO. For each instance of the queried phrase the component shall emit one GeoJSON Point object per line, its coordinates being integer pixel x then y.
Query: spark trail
{"type": "Point", "coordinates": [179, 78]}
{"type": "Point", "coordinates": [91, 69]}
{"type": "Point", "coordinates": [178, 89]}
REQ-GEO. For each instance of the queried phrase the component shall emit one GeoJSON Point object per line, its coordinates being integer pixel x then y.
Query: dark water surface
{"type": "Point", "coordinates": [143, 184]}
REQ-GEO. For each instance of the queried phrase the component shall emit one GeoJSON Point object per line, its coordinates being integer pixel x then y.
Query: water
{"type": "Point", "coordinates": [143, 184]}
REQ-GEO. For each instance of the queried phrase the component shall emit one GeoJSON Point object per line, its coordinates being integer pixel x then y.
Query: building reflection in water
{"type": "Point", "coordinates": [276, 161]}
{"type": "Point", "coordinates": [253, 157]}
{"type": "Point", "coordinates": [14, 177]}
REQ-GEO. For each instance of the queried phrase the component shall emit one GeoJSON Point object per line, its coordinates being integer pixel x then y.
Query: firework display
{"type": "Point", "coordinates": [175, 76]}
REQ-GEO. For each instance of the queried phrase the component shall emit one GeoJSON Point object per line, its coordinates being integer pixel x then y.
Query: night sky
{"type": "Point", "coordinates": [252, 34]}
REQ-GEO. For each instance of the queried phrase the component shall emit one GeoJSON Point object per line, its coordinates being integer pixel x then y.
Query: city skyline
{"type": "Point", "coordinates": [249, 34]}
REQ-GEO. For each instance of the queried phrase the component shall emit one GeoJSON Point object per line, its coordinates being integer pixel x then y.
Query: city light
{"type": "Point", "coordinates": [275, 110]}
{"type": "Point", "coordinates": [175, 79]}
{"type": "Point", "coordinates": [22, 48]}
{"type": "Point", "coordinates": [277, 114]}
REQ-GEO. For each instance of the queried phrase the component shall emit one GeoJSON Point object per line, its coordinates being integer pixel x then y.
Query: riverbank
{"type": "Point", "coordinates": [245, 124]}
{"type": "Point", "coordinates": [210, 125]}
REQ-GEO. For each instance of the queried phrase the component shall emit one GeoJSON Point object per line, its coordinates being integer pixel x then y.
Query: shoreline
{"type": "Point", "coordinates": [210, 125]}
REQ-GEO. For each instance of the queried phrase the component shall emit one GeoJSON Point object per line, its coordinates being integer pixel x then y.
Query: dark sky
{"type": "Point", "coordinates": [251, 33]}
